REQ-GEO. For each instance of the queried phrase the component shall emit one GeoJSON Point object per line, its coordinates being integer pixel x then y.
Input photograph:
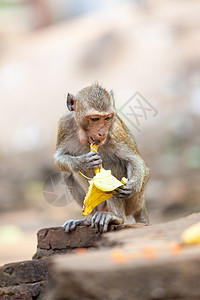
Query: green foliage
{"type": "Point", "coordinates": [192, 157]}
{"type": "Point", "coordinates": [10, 3]}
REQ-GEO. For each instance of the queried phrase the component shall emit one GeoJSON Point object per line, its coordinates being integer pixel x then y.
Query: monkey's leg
{"type": "Point", "coordinates": [78, 194]}
{"type": "Point", "coordinates": [142, 216]}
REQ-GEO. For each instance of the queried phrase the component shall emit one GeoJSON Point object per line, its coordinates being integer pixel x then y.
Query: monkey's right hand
{"type": "Point", "coordinates": [88, 161]}
{"type": "Point", "coordinates": [71, 225]}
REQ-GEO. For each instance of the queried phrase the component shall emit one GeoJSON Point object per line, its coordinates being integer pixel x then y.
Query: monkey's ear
{"type": "Point", "coordinates": [71, 102]}
{"type": "Point", "coordinates": [112, 98]}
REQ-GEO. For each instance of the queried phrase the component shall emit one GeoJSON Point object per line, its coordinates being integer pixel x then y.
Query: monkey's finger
{"type": "Point", "coordinates": [73, 225]}
{"type": "Point", "coordinates": [102, 222]}
{"type": "Point", "coordinates": [94, 165]}
{"type": "Point", "coordinates": [106, 223]}
{"type": "Point", "coordinates": [96, 161]}
{"type": "Point", "coordinates": [94, 158]}
{"type": "Point", "coordinates": [123, 194]}
{"type": "Point", "coordinates": [126, 192]}
{"type": "Point", "coordinates": [76, 223]}
{"type": "Point", "coordinates": [92, 155]}
{"type": "Point", "coordinates": [87, 223]}
{"type": "Point", "coordinates": [97, 221]}
{"type": "Point", "coordinates": [120, 195]}
{"type": "Point", "coordinates": [124, 188]}
{"type": "Point", "coordinates": [67, 225]}
{"type": "Point", "coordinates": [117, 191]}
{"type": "Point", "coordinates": [128, 186]}
{"type": "Point", "coordinates": [93, 219]}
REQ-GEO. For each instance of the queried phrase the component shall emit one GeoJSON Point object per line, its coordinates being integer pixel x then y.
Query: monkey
{"type": "Point", "coordinates": [92, 118]}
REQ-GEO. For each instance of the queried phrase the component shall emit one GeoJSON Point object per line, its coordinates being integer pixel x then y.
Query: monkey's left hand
{"type": "Point", "coordinates": [125, 190]}
{"type": "Point", "coordinates": [101, 219]}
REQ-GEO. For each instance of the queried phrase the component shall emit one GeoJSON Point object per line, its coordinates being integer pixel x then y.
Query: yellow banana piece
{"type": "Point", "coordinates": [191, 235]}
{"type": "Point", "coordinates": [101, 187]}
{"type": "Point", "coordinates": [94, 147]}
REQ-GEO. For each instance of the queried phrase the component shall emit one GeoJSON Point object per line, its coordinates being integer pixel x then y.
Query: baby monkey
{"type": "Point", "coordinates": [92, 119]}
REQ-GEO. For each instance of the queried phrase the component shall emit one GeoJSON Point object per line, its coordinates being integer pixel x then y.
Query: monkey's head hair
{"type": "Point", "coordinates": [94, 97]}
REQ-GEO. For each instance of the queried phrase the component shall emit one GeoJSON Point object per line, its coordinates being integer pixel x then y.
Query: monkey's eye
{"type": "Point", "coordinates": [94, 119]}
{"type": "Point", "coordinates": [108, 118]}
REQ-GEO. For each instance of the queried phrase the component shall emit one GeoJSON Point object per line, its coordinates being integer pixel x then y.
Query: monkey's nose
{"type": "Point", "coordinates": [101, 135]}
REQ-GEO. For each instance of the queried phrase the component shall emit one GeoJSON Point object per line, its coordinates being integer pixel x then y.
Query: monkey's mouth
{"type": "Point", "coordinates": [93, 141]}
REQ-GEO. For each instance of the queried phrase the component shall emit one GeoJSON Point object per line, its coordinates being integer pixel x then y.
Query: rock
{"type": "Point", "coordinates": [28, 280]}
{"type": "Point", "coordinates": [57, 241]}
{"type": "Point", "coordinates": [24, 272]}
{"type": "Point", "coordinates": [148, 263]}
{"type": "Point", "coordinates": [22, 291]}
{"type": "Point", "coordinates": [56, 238]}
{"type": "Point", "coordinates": [140, 262]}
{"type": "Point", "coordinates": [16, 296]}
{"type": "Point", "coordinates": [159, 233]}
{"type": "Point", "coordinates": [25, 280]}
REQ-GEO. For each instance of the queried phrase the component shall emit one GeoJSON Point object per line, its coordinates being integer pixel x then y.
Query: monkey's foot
{"type": "Point", "coordinates": [101, 219]}
{"type": "Point", "coordinates": [70, 225]}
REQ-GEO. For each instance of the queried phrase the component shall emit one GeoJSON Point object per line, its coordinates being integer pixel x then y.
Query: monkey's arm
{"type": "Point", "coordinates": [137, 172]}
{"type": "Point", "coordinates": [68, 163]}
{"type": "Point", "coordinates": [126, 149]}
{"type": "Point", "coordinates": [66, 137]}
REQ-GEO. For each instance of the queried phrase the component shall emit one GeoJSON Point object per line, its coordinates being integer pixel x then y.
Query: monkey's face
{"type": "Point", "coordinates": [96, 126]}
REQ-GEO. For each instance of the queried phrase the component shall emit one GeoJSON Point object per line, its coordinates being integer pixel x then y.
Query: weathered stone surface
{"type": "Point", "coordinates": [56, 241]}
{"type": "Point", "coordinates": [56, 238]}
{"type": "Point", "coordinates": [24, 280]}
{"type": "Point", "coordinates": [138, 263]}
{"type": "Point", "coordinates": [150, 263]}
{"type": "Point", "coordinates": [16, 296]}
{"type": "Point", "coordinates": [99, 277]}
{"type": "Point", "coordinates": [22, 291]}
{"type": "Point", "coordinates": [24, 272]}
{"type": "Point", "coordinates": [162, 232]}
{"type": "Point", "coordinates": [27, 280]}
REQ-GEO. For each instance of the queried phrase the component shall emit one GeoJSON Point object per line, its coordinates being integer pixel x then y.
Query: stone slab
{"type": "Point", "coordinates": [146, 263]}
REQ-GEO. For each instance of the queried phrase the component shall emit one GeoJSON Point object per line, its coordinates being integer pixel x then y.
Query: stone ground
{"type": "Point", "coordinates": [145, 263]}
{"type": "Point", "coordinates": [141, 262]}
{"type": "Point", "coordinates": [24, 280]}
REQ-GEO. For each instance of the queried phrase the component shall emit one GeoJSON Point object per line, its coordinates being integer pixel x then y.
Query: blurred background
{"type": "Point", "coordinates": [49, 48]}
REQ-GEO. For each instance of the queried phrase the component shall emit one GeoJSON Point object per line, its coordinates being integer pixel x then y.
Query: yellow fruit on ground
{"type": "Point", "coordinates": [191, 235]}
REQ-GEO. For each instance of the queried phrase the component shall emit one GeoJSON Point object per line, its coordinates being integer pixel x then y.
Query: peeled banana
{"type": "Point", "coordinates": [101, 187]}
